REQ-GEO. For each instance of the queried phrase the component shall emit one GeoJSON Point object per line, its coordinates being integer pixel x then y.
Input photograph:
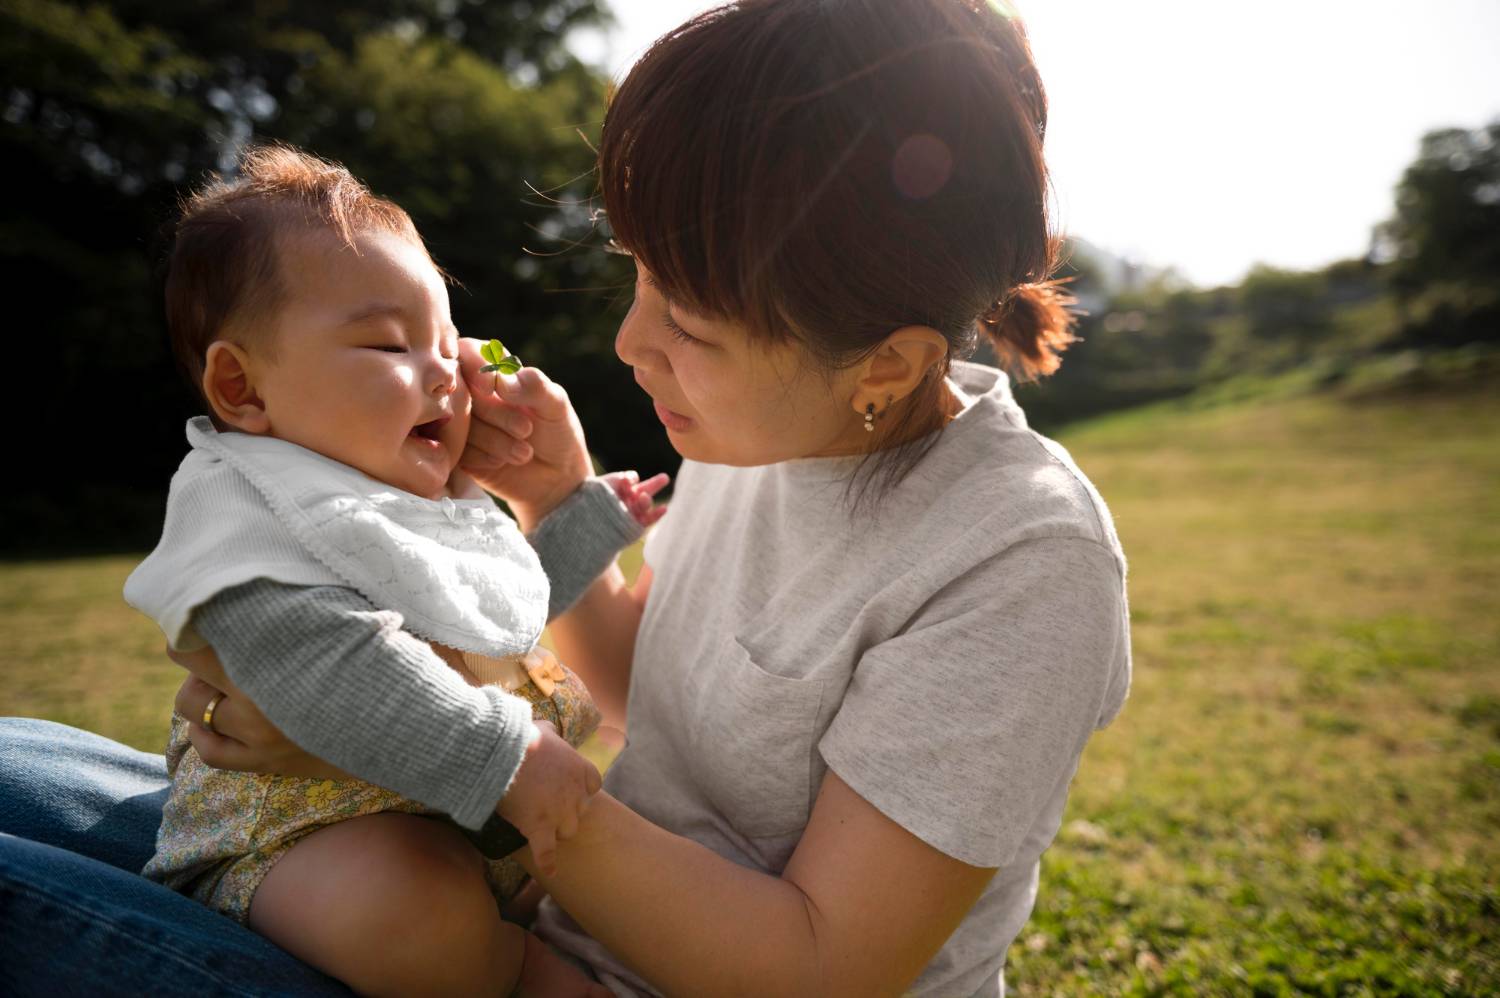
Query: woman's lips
{"type": "Point", "coordinates": [671, 420]}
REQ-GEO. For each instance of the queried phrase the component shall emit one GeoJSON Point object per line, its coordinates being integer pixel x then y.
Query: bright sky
{"type": "Point", "coordinates": [1209, 136]}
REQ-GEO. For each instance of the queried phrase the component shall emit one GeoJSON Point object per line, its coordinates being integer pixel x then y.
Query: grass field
{"type": "Point", "coordinates": [1303, 793]}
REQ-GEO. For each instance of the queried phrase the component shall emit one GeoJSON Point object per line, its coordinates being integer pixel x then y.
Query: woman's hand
{"type": "Point", "coordinates": [525, 442]}
{"type": "Point", "coordinates": [242, 739]}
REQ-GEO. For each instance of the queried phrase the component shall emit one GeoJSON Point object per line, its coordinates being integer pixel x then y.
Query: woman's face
{"type": "Point", "coordinates": [727, 399]}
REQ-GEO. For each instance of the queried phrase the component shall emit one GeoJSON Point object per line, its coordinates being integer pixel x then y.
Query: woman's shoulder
{"type": "Point", "coordinates": [990, 467]}
{"type": "Point", "coordinates": [988, 482]}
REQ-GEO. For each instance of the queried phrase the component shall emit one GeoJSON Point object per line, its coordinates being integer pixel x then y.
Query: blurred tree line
{"type": "Point", "coordinates": [110, 110]}
{"type": "Point", "coordinates": [1429, 290]}
{"type": "Point", "coordinates": [475, 116]}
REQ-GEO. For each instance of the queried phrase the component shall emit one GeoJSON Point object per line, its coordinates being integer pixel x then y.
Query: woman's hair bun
{"type": "Point", "coordinates": [1030, 327]}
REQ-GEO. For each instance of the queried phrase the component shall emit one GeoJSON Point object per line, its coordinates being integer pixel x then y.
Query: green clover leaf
{"type": "Point", "coordinates": [500, 359]}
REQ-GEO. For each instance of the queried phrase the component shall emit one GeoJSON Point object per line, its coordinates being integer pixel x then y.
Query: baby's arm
{"type": "Point", "coordinates": [579, 539]}
{"type": "Point", "coordinates": [344, 682]}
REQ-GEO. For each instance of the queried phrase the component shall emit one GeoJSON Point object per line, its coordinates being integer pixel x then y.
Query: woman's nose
{"type": "Point", "coordinates": [632, 344]}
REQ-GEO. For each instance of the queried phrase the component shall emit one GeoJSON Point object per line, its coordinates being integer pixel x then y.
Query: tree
{"type": "Point", "coordinates": [1284, 306]}
{"type": "Point", "coordinates": [1447, 222]}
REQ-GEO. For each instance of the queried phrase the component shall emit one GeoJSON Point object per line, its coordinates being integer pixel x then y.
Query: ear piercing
{"type": "Point", "coordinates": [870, 413]}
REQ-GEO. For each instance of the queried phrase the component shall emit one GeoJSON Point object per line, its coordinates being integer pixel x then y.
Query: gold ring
{"type": "Point", "coordinates": [208, 712]}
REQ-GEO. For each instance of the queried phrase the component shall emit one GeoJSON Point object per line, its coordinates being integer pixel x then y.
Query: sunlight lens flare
{"type": "Point", "coordinates": [922, 166]}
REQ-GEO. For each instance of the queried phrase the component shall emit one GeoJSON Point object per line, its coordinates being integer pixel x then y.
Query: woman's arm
{"type": "Point", "coordinates": [596, 638]}
{"type": "Point", "coordinates": [861, 908]}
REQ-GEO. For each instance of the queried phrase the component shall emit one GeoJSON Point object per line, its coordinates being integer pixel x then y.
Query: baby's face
{"type": "Point", "coordinates": [364, 367]}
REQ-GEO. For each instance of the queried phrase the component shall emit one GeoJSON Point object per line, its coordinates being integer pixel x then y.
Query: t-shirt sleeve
{"type": "Point", "coordinates": [342, 680]}
{"type": "Point", "coordinates": [961, 727]}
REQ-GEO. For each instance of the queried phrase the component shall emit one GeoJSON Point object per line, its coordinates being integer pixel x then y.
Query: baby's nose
{"type": "Point", "coordinates": [445, 376]}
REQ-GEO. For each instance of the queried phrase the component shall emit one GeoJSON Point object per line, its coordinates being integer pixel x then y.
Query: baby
{"type": "Point", "coordinates": [321, 538]}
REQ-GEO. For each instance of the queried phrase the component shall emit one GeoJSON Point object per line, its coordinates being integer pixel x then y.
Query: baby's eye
{"type": "Point", "coordinates": [390, 348]}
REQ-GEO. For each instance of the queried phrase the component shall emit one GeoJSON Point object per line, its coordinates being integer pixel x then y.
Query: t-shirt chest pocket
{"type": "Point", "coordinates": [752, 742]}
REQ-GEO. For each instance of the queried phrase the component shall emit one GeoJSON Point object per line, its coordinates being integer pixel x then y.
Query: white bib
{"type": "Point", "coordinates": [246, 507]}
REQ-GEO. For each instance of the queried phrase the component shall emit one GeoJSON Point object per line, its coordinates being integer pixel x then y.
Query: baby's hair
{"type": "Point", "coordinates": [224, 275]}
{"type": "Point", "coordinates": [831, 170]}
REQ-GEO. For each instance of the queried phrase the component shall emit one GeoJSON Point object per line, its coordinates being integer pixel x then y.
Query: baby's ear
{"type": "Point", "coordinates": [229, 386]}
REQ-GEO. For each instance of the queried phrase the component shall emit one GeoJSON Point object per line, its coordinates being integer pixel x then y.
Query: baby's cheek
{"type": "Point", "coordinates": [456, 433]}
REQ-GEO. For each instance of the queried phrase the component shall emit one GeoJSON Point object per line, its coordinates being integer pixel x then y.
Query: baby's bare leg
{"type": "Point", "coordinates": [391, 904]}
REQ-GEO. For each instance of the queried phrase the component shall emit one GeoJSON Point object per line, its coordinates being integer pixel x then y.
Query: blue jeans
{"type": "Point", "coordinates": [78, 819]}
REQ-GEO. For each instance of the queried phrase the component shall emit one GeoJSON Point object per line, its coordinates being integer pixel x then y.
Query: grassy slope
{"type": "Point", "coordinates": [1303, 793]}
{"type": "Point", "coordinates": [1304, 790]}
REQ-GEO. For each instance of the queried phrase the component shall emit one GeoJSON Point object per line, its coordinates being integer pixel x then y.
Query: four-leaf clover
{"type": "Point", "coordinates": [501, 360]}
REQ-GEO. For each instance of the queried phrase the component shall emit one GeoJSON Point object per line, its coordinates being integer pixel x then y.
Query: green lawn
{"type": "Point", "coordinates": [1303, 793]}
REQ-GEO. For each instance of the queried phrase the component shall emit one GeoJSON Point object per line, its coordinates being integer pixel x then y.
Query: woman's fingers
{"type": "Point", "coordinates": [470, 360]}
{"type": "Point", "coordinates": [500, 431]}
{"type": "Point", "coordinates": [236, 719]}
{"type": "Point", "coordinates": [504, 421]}
{"type": "Point", "coordinates": [192, 697]}
{"type": "Point", "coordinates": [527, 389]}
{"type": "Point", "coordinates": [221, 751]}
{"type": "Point", "coordinates": [202, 663]}
{"type": "Point", "coordinates": [497, 438]}
{"type": "Point", "coordinates": [531, 389]}
{"type": "Point", "coordinates": [234, 716]}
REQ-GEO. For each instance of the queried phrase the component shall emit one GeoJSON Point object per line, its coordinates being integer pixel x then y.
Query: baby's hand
{"type": "Point", "coordinates": [637, 495]}
{"type": "Point", "coordinates": [549, 794]}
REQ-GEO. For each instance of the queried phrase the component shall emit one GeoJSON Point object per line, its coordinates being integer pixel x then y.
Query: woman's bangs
{"type": "Point", "coordinates": [674, 198]}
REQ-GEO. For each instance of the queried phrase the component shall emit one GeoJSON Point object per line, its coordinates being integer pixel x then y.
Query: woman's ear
{"type": "Point", "coordinates": [229, 386]}
{"type": "Point", "coordinates": [898, 366]}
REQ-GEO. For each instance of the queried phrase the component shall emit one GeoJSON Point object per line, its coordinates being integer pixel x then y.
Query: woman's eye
{"type": "Point", "coordinates": [678, 333]}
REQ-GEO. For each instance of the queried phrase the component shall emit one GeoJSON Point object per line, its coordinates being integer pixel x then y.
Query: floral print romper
{"type": "Point", "coordinates": [222, 831]}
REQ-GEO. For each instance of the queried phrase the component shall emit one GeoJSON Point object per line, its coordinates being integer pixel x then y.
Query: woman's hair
{"type": "Point", "coordinates": [831, 170]}
{"type": "Point", "coordinates": [223, 270]}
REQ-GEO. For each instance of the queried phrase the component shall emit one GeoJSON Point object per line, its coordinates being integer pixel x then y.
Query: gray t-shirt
{"type": "Point", "coordinates": [947, 654]}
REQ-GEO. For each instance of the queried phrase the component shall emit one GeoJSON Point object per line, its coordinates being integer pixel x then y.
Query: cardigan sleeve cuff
{"type": "Point", "coordinates": [580, 539]}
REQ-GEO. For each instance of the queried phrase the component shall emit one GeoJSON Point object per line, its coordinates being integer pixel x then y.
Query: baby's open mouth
{"type": "Point", "coordinates": [430, 429]}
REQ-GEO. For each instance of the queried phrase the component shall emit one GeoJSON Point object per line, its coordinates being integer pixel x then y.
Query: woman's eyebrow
{"type": "Point", "coordinates": [673, 302]}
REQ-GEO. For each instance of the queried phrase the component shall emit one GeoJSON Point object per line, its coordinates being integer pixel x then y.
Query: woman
{"type": "Point", "coordinates": [882, 617]}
